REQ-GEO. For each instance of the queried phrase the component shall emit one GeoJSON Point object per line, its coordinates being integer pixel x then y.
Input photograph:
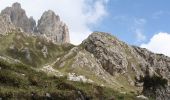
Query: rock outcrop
{"type": "Point", "coordinates": [5, 24]}
{"type": "Point", "coordinates": [19, 18]}
{"type": "Point", "coordinates": [52, 27]}
{"type": "Point", "coordinates": [133, 63]}
{"type": "Point", "coordinates": [49, 24]}
{"type": "Point", "coordinates": [118, 57]}
{"type": "Point", "coordinates": [155, 86]}
{"type": "Point", "coordinates": [117, 64]}
{"type": "Point", "coordinates": [109, 51]}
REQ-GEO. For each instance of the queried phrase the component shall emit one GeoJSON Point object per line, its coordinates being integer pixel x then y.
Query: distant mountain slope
{"type": "Point", "coordinates": [49, 24]}
{"type": "Point", "coordinates": [19, 18]}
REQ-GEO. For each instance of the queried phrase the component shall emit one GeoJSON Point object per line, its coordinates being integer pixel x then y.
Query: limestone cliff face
{"type": "Point", "coordinates": [49, 24]}
{"type": "Point", "coordinates": [52, 27]}
{"type": "Point", "coordinates": [118, 65]}
{"type": "Point", "coordinates": [118, 57]}
{"type": "Point", "coordinates": [19, 18]}
{"type": "Point", "coordinates": [5, 24]}
{"type": "Point", "coordinates": [139, 66]}
{"type": "Point", "coordinates": [109, 51]}
{"type": "Point", "coordinates": [110, 62]}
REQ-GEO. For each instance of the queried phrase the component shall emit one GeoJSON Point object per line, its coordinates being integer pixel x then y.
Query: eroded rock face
{"type": "Point", "coordinates": [53, 28]}
{"type": "Point", "coordinates": [158, 62]}
{"type": "Point", "coordinates": [19, 18]}
{"type": "Point", "coordinates": [5, 24]}
{"type": "Point", "coordinates": [109, 52]}
{"type": "Point", "coordinates": [49, 25]}
{"type": "Point", "coordinates": [155, 86]}
{"type": "Point", "coordinates": [120, 59]}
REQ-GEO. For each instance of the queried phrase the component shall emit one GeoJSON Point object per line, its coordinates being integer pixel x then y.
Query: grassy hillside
{"type": "Point", "coordinates": [34, 51]}
{"type": "Point", "coordinates": [20, 81]}
{"type": "Point", "coordinates": [20, 55]}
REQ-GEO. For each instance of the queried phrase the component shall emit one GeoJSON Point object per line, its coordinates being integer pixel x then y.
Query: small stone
{"type": "Point", "coordinates": [48, 95]}
{"type": "Point", "coordinates": [142, 97]}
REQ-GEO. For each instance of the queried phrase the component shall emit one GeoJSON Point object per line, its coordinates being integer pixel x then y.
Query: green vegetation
{"type": "Point", "coordinates": [28, 49]}
{"type": "Point", "coordinates": [19, 81]}
{"type": "Point", "coordinates": [19, 78]}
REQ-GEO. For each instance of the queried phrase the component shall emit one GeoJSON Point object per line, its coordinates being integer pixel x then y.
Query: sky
{"type": "Point", "coordinates": [144, 23]}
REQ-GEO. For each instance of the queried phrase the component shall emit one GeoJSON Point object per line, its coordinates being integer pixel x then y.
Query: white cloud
{"type": "Point", "coordinates": [140, 21]}
{"type": "Point", "coordinates": [159, 43]}
{"type": "Point", "coordinates": [77, 14]}
{"type": "Point", "coordinates": [140, 36]}
{"type": "Point", "coordinates": [157, 14]}
{"type": "Point", "coordinates": [138, 29]}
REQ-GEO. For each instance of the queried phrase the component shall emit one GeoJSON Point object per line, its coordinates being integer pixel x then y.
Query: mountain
{"type": "Point", "coordinates": [19, 18]}
{"type": "Point", "coordinates": [49, 24]}
{"type": "Point", "coordinates": [112, 63]}
{"type": "Point", "coordinates": [131, 65]}
{"type": "Point", "coordinates": [41, 64]}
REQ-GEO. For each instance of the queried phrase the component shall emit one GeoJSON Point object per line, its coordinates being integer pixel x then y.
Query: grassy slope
{"type": "Point", "coordinates": [19, 42]}
{"type": "Point", "coordinates": [123, 86]}
{"type": "Point", "coordinates": [20, 81]}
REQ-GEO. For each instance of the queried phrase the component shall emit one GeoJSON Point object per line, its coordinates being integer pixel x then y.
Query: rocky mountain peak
{"type": "Point", "coordinates": [16, 5]}
{"type": "Point", "coordinates": [52, 27]}
{"type": "Point", "coordinates": [134, 63]}
{"type": "Point", "coordinates": [51, 14]}
{"type": "Point", "coordinates": [103, 37]}
{"type": "Point", "coordinates": [19, 17]}
{"type": "Point", "coordinates": [109, 50]}
{"type": "Point", "coordinates": [49, 24]}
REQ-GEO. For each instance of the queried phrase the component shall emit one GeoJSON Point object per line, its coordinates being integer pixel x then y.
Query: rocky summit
{"type": "Point", "coordinates": [19, 17]}
{"type": "Point", "coordinates": [49, 24]}
{"type": "Point", "coordinates": [138, 67]}
{"type": "Point", "coordinates": [37, 62]}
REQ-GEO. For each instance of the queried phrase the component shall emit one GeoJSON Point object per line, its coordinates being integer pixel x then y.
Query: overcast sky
{"type": "Point", "coordinates": [143, 23]}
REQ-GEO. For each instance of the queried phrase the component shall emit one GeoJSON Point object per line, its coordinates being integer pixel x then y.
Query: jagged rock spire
{"type": "Point", "coordinates": [51, 25]}
{"type": "Point", "coordinates": [19, 17]}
